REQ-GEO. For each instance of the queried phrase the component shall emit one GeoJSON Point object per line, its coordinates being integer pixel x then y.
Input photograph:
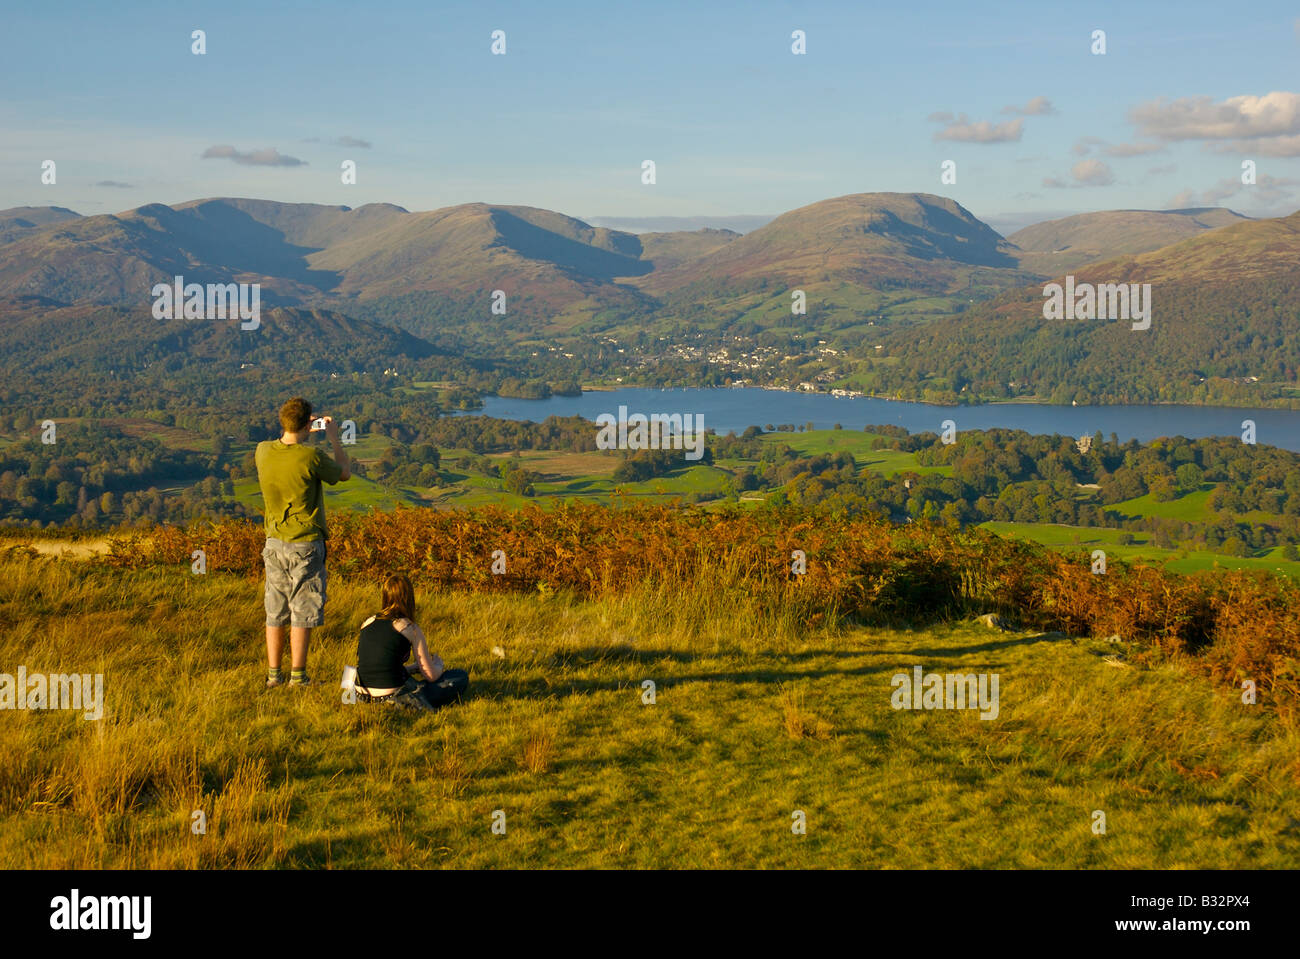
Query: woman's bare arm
{"type": "Point", "coordinates": [429, 664]}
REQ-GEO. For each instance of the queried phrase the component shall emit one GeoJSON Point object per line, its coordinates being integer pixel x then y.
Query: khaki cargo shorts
{"type": "Point", "coordinates": [295, 583]}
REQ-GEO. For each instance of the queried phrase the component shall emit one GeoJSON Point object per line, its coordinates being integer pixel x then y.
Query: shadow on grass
{"type": "Point", "coordinates": [543, 688]}
{"type": "Point", "coordinates": [330, 850]}
{"type": "Point", "coordinates": [496, 685]}
{"type": "Point", "coordinates": [990, 647]}
{"type": "Point", "coordinates": [621, 653]}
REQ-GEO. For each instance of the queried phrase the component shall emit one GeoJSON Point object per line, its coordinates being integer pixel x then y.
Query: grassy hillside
{"type": "Point", "coordinates": [666, 250]}
{"type": "Point", "coordinates": [756, 715]}
{"type": "Point", "coordinates": [1235, 624]}
{"type": "Point", "coordinates": [20, 220]}
{"type": "Point", "coordinates": [1056, 246]}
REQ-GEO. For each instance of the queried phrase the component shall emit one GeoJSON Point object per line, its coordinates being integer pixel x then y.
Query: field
{"type": "Point", "coordinates": [1181, 560]}
{"type": "Point", "coordinates": [584, 476]}
{"type": "Point", "coordinates": [755, 716]}
{"type": "Point", "coordinates": [1191, 507]}
{"type": "Point", "coordinates": [886, 461]}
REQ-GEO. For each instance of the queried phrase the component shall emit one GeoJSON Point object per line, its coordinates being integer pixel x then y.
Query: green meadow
{"type": "Point", "coordinates": [887, 461]}
{"type": "Point", "coordinates": [1189, 507]}
{"type": "Point", "coordinates": [1179, 560]}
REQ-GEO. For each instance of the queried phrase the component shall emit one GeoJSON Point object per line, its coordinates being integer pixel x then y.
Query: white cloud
{"type": "Point", "coordinates": [1132, 149]}
{"type": "Point", "coordinates": [1236, 118]}
{"type": "Point", "coordinates": [267, 157]}
{"type": "Point", "coordinates": [1085, 173]}
{"type": "Point", "coordinates": [961, 129]}
{"type": "Point", "coordinates": [1092, 173]}
{"type": "Point", "coordinates": [1265, 146]}
{"type": "Point", "coordinates": [1037, 107]}
{"type": "Point", "coordinates": [1085, 145]}
{"type": "Point", "coordinates": [344, 141]}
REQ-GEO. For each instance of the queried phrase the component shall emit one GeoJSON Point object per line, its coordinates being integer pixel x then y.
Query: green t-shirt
{"type": "Point", "coordinates": [290, 475]}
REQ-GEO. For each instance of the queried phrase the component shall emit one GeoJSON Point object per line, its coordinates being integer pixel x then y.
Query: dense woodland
{"type": "Point", "coordinates": [102, 476]}
{"type": "Point", "coordinates": [1205, 344]}
{"type": "Point", "coordinates": [1011, 476]}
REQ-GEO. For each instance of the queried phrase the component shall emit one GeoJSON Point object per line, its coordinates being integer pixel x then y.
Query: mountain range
{"type": "Point", "coordinates": [562, 268]}
{"type": "Point", "coordinates": [921, 268]}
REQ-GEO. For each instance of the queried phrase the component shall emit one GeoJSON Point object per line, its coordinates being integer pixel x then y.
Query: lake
{"type": "Point", "coordinates": [726, 410]}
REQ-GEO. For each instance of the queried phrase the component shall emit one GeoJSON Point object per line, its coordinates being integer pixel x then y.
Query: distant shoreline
{"type": "Point", "coordinates": [1026, 401]}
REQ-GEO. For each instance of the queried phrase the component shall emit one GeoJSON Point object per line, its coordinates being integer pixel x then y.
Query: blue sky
{"type": "Point", "coordinates": [711, 92]}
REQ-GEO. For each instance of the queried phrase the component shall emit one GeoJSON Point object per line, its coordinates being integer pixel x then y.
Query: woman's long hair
{"type": "Point", "coordinates": [398, 599]}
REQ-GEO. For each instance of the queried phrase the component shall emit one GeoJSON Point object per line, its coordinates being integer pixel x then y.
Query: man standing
{"type": "Point", "coordinates": [290, 474]}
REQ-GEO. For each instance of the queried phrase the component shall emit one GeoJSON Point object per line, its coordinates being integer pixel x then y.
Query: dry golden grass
{"type": "Point", "coordinates": [1239, 625]}
{"type": "Point", "coordinates": [558, 466]}
{"type": "Point", "coordinates": [538, 751]}
{"type": "Point", "coordinates": [759, 711]}
{"type": "Point", "coordinates": [799, 722]}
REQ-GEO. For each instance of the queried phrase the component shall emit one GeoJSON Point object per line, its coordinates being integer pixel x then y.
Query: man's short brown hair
{"type": "Point", "coordinates": [295, 415]}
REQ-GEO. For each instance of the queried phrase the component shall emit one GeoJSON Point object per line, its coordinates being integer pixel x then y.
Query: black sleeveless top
{"type": "Point", "coordinates": [381, 654]}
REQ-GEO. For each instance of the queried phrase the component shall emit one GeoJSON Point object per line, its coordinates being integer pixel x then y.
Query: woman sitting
{"type": "Point", "coordinates": [387, 640]}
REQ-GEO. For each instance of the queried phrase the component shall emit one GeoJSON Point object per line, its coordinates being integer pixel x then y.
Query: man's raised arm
{"type": "Point", "coordinates": [340, 455]}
